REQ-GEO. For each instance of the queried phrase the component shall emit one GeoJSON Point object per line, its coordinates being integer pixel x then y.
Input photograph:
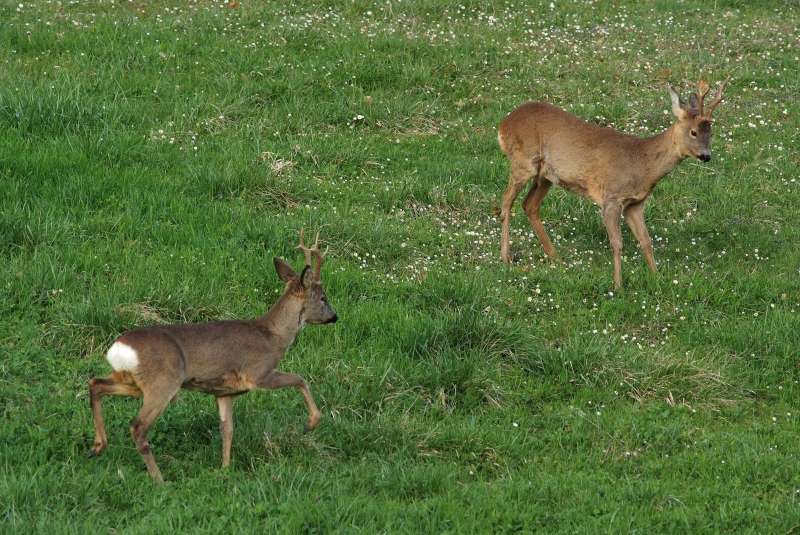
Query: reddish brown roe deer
{"type": "Point", "coordinates": [616, 171]}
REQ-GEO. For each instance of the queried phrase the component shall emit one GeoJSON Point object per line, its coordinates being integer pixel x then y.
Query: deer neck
{"type": "Point", "coordinates": [284, 319]}
{"type": "Point", "coordinates": [663, 154]}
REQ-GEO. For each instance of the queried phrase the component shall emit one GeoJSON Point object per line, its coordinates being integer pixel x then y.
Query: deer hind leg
{"type": "Point", "coordinates": [116, 384]}
{"type": "Point", "coordinates": [531, 206]}
{"type": "Point", "coordinates": [521, 172]}
{"type": "Point", "coordinates": [156, 398]}
{"type": "Point", "coordinates": [611, 215]}
{"type": "Point", "coordinates": [278, 379]}
{"type": "Point", "coordinates": [225, 405]}
{"type": "Point", "coordinates": [634, 216]}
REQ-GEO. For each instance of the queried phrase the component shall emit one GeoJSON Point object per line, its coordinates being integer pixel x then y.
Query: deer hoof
{"type": "Point", "coordinates": [308, 427]}
{"type": "Point", "coordinates": [312, 423]}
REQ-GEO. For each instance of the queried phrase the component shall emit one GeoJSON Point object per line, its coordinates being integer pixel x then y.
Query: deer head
{"type": "Point", "coordinates": [307, 287]}
{"type": "Point", "coordinates": [694, 122]}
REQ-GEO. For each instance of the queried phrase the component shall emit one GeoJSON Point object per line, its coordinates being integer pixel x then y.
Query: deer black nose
{"type": "Point", "coordinates": [705, 157]}
{"type": "Point", "coordinates": [333, 319]}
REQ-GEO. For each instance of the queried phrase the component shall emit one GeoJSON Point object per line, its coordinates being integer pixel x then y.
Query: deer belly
{"type": "Point", "coordinates": [576, 186]}
{"type": "Point", "coordinates": [579, 185]}
{"type": "Point", "coordinates": [229, 384]}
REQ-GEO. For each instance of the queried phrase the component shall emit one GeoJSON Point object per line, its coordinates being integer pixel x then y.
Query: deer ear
{"type": "Point", "coordinates": [306, 277]}
{"type": "Point", "coordinates": [677, 109]}
{"type": "Point", "coordinates": [285, 271]}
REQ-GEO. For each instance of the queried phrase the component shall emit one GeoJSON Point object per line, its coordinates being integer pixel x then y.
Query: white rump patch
{"type": "Point", "coordinates": [122, 357]}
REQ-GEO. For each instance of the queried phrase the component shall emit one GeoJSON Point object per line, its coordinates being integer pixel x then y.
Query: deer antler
{"type": "Point", "coordinates": [702, 91]}
{"type": "Point", "coordinates": [320, 259]}
{"type": "Point", "coordinates": [307, 251]}
{"type": "Point", "coordinates": [718, 96]}
{"type": "Point", "coordinates": [313, 251]}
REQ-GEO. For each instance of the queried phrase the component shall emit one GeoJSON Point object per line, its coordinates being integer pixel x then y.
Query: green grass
{"type": "Point", "coordinates": [154, 156]}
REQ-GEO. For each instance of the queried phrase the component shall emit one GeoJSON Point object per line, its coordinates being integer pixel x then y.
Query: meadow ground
{"type": "Point", "coordinates": [154, 156]}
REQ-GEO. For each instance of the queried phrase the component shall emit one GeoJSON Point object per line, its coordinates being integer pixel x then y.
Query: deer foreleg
{"type": "Point", "coordinates": [225, 405]}
{"type": "Point", "coordinates": [278, 379]}
{"type": "Point", "coordinates": [634, 216]}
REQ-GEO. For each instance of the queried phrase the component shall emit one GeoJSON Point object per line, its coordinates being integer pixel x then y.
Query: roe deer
{"type": "Point", "coordinates": [615, 170]}
{"type": "Point", "coordinates": [222, 358]}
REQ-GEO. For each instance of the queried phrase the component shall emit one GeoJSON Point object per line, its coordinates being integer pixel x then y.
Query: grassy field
{"type": "Point", "coordinates": [155, 156]}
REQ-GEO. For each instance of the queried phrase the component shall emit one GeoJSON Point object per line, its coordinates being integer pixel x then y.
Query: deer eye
{"type": "Point", "coordinates": [693, 133]}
